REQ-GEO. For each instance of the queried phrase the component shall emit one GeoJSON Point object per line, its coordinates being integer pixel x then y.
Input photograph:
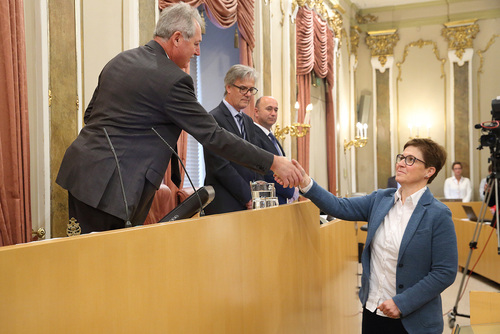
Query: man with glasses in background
{"type": "Point", "coordinates": [231, 181]}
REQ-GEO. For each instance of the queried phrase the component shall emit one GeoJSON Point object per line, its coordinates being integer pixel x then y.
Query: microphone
{"type": "Point", "coordinates": [127, 222]}
{"type": "Point", "coordinates": [196, 191]}
{"type": "Point", "coordinates": [190, 206]}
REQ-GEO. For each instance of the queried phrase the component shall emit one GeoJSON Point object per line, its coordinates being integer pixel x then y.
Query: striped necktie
{"type": "Point", "coordinates": [275, 143]}
{"type": "Point", "coordinates": [242, 126]}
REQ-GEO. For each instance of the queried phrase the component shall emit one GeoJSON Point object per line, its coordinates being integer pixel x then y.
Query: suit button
{"type": "Point", "coordinates": [401, 286]}
{"type": "Point", "coordinates": [400, 265]}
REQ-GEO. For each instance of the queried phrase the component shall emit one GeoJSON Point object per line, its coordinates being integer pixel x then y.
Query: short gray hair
{"type": "Point", "coordinates": [239, 71]}
{"type": "Point", "coordinates": [178, 17]}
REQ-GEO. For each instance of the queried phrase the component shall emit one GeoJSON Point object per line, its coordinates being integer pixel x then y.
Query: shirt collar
{"type": "Point", "coordinates": [412, 199]}
{"type": "Point", "coordinates": [266, 131]}
{"type": "Point", "coordinates": [232, 110]}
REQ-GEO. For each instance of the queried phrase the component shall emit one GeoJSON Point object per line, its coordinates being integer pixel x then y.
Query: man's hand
{"type": "Point", "coordinates": [390, 309]}
{"type": "Point", "coordinates": [249, 205]}
{"type": "Point", "coordinates": [285, 172]}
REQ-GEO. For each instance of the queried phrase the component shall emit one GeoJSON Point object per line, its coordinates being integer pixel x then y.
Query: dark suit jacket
{"type": "Point", "coordinates": [231, 181]}
{"type": "Point", "coordinates": [137, 90]}
{"type": "Point", "coordinates": [264, 142]}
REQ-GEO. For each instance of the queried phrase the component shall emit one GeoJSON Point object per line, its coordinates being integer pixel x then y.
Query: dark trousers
{"type": "Point", "coordinates": [92, 219]}
{"type": "Point", "coordinates": [375, 324]}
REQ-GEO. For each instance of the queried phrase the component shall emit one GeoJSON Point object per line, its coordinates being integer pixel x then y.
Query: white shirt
{"type": "Point", "coordinates": [458, 189]}
{"type": "Point", "coordinates": [233, 112]}
{"type": "Point", "coordinates": [385, 250]}
{"type": "Point", "coordinates": [481, 189]}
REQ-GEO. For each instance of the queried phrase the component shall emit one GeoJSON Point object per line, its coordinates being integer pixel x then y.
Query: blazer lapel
{"type": "Point", "coordinates": [383, 208]}
{"type": "Point", "coordinates": [415, 220]}
{"type": "Point", "coordinates": [230, 122]}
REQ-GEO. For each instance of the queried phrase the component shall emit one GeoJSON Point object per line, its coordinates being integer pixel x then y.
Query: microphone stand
{"type": "Point", "coordinates": [493, 181]}
{"type": "Point", "coordinates": [202, 213]}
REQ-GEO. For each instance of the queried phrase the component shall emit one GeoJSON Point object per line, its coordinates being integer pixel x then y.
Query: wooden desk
{"type": "Point", "coordinates": [273, 270]}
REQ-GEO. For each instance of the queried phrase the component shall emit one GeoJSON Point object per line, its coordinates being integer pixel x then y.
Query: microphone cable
{"type": "Point", "coordinates": [202, 213]}
{"type": "Point", "coordinates": [127, 223]}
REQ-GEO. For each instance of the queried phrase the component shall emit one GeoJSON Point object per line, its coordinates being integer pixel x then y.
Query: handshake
{"type": "Point", "coordinates": [289, 173]}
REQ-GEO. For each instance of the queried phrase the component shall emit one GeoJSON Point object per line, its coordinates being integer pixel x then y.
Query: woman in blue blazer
{"type": "Point", "coordinates": [410, 254]}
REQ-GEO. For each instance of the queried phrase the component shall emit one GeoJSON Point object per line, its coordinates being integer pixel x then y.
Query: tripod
{"type": "Point", "coordinates": [492, 185]}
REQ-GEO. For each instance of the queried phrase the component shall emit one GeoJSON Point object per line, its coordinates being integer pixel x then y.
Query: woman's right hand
{"type": "Point", "coordinates": [306, 179]}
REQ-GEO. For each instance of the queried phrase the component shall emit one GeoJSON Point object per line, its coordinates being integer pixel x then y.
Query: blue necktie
{"type": "Point", "coordinates": [242, 126]}
{"type": "Point", "coordinates": [275, 142]}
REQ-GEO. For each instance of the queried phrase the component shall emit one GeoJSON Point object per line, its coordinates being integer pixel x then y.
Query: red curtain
{"type": "Point", "coordinates": [15, 214]}
{"type": "Point", "coordinates": [315, 47]}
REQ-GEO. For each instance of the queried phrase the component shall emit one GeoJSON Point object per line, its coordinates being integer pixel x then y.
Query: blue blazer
{"type": "Point", "coordinates": [428, 256]}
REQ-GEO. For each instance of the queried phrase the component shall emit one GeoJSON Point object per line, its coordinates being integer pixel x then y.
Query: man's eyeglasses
{"type": "Point", "coordinates": [409, 159]}
{"type": "Point", "coordinates": [244, 90]}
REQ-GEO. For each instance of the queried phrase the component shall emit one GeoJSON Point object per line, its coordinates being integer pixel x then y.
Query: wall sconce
{"type": "Point", "coordinates": [361, 138]}
{"type": "Point", "coordinates": [417, 131]}
{"type": "Point", "coordinates": [296, 129]}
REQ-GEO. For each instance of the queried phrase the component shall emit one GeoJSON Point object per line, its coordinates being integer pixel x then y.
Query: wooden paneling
{"type": "Point", "coordinates": [484, 307]}
{"type": "Point", "coordinates": [261, 271]}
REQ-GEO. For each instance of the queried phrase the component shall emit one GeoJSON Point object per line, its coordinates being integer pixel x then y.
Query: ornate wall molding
{"type": "Point", "coordinates": [459, 35]}
{"type": "Point", "coordinates": [421, 43]}
{"type": "Point", "coordinates": [382, 43]}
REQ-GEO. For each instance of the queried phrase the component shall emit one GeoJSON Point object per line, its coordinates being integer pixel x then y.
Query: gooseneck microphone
{"type": "Point", "coordinates": [179, 212]}
{"type": "Point", "coordinates": [127, 222]}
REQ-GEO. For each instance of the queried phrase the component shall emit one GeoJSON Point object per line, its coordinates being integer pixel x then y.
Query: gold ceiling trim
{"type": "Point", "coordinates": [459, 35]}
{"type": "Point", "coordinates": [365, 19]}
{"type": "Point", "coordinates": [382, 43]}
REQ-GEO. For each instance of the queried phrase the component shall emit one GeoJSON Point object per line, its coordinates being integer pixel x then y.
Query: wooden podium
{"type": "Point", "coordinates": [273, 270]}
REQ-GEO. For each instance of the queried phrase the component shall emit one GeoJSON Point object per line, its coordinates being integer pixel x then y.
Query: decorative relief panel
{"type": "Point", "coordinates": [459, 35]}
{"type": "Point", "coordinates": [382, 43]}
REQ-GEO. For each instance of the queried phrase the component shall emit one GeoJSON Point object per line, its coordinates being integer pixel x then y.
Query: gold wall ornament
{"type": "Point", "coordinates": [420, 44]}
{"type": "Point", "coordinates": [382, 43]}
{"type": "Point", "coordinates": [365, 19]}
{"type": "Point", "coordinates": [354, 37]}
{"type": "Point", "coordinates": [331, 14]}
{"type": "Point", "coordinates": [335, 22]}
{"type": "Point", "coordinates": [481, 53]}
{"type": "Point", "coordinates": [459, 35]}
{"type": "Point", "coordinates": [295, 130]}
{"type": "Point", "coordinates": [40, 233]}
{"type": "Point", "coordinates": [73, 228]}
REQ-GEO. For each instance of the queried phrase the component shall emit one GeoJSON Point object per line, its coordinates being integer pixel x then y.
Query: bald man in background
{"type": "Point", "coordinates": [266, 114]}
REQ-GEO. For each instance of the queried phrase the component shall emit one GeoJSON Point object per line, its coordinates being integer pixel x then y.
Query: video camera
{"type": "Point", "coordinates": [491, 134]}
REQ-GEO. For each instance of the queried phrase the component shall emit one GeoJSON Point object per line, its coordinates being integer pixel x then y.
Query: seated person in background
{"type": "Point", "coordinates": [231, 181]}
{"type": "Point", "coordinates": [411, 252]}
{"type": "Point", "coordinates": [265, 114]}
{"type": "Point", "coordinates": [484, 183]}
{"type": "Point", "coordinates": [457, 186]}
{"type": "Point", "coordinates": [392, 183]}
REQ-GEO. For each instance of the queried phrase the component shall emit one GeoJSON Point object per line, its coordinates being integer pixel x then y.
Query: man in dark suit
{"type": "Point", "coordinates": [231, 181]}
{"type": "Point", "coordinates": [266, 114]}
{"type": "Point", "coordinates": [138, 90]}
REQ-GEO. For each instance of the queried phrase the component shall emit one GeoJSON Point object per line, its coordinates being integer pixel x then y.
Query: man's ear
{"type": "Point", "coordinates": [176, 37]}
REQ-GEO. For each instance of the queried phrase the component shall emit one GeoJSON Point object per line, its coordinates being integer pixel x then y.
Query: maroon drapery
{"type": "Point", "coordinates": [315, 53]}
{"type": "Point", "coordinates": [15, 214]}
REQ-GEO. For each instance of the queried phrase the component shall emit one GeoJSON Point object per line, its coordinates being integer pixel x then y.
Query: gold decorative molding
{"type": "Point", "coordinates": [459, 35]}
{"type": "Point", "coordinates": [382, 43]}
{"type": "Point", "coordinates": [365, 19]}
{"type": "Point", "coordinates": [354, 38]}
{"type": "Point", "coordinates": [481, 53]}
{"type": "Point", "coordinates": [420, 44]}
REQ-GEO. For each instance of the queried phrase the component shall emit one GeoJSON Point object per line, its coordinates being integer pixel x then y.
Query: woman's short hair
{"type": "Point", "coordinates": [434, 154]}
{"type": "Point", "coordinates": [179, 17]}
{"type": "Point", "coordinates": [239, 71]}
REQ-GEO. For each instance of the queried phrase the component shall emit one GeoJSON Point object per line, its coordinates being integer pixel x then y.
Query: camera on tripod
{"type": "Point", "coordinates": [491, 130]}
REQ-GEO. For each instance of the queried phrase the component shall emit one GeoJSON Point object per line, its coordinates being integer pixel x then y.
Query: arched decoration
{"type": "Point", "coordinates": [315, 47]}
